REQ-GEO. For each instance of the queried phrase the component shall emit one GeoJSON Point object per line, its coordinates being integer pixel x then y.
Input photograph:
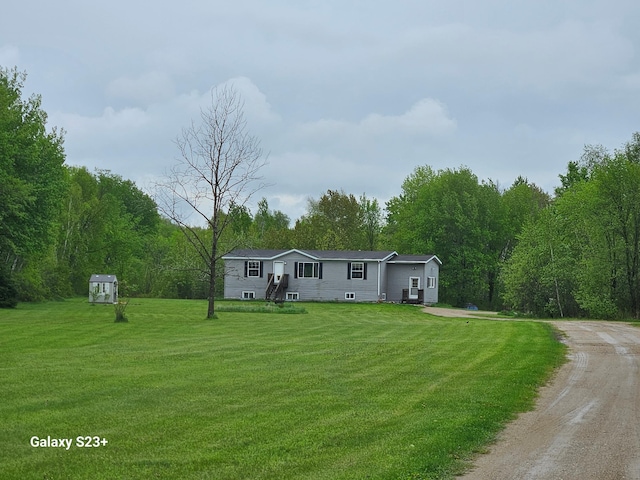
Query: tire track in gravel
{"type": "Point", "coordinates": [586, 423]}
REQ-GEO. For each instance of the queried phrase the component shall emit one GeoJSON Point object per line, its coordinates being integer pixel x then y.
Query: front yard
{"type": "Point", "coordinates": [341, 392]}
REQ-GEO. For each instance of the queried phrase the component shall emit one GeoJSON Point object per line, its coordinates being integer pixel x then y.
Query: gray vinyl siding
{"type": "Point", "coordinates": [383, 280]}
{"type": "Point", "coordinates": [235, 282]}
{"type": "Point", "coordinates": [334, 283]}
{"type": "Point", "coordinates": [398, 275]}
{"type": "Point", "coordinates": [398, 278]}
{"type": "Point", "coordinates": [331, 287]}
{"type": "Point", "coordinates": [432, 269]}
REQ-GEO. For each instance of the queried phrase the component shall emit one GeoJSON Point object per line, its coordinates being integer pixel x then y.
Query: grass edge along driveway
{"type": "Point", "coordinates": [345, 391]}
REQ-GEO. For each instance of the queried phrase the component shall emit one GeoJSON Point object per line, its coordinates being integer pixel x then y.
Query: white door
{"type": "Point", "coordinates": [414, 286]}
{"type": "Point", "coordinates": [278, 271]}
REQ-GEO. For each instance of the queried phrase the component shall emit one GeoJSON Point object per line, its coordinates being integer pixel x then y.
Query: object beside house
{"type": "Point", "coordinates": [103, 289]}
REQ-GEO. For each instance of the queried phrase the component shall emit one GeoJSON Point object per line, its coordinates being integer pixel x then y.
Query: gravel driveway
{"type": "Point", "coordinates": [586, 424]}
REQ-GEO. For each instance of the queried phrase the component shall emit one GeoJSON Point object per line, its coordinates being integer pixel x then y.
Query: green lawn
{"type": "Point", "coordinates": [342, 392]}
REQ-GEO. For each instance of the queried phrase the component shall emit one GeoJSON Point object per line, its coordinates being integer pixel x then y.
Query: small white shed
{"type": "Point", "coordinates": [103, 289]}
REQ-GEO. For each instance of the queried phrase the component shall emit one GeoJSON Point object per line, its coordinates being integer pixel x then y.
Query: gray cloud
{"type": "Point", "coordinates": [342, 95]}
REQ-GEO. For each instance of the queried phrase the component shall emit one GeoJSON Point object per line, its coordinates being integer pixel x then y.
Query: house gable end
{"type": "Point", "coordinates": [263, 254]}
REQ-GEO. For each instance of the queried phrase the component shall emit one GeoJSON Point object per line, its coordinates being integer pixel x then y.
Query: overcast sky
{"type": "Point", "coordinates": [348, 95]}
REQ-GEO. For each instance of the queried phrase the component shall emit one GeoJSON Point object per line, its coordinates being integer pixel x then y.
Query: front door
{"type": "Point", "coordinates": [414, 286]}
{"type": "Point", "coordinates": [278, 271]}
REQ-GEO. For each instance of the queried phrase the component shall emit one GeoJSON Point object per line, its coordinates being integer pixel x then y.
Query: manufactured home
{"type": "Point", "coordinates": [331, 275]}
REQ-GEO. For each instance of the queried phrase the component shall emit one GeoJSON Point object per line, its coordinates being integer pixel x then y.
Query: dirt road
{"type": "Point", "coordinates": [586, 424]}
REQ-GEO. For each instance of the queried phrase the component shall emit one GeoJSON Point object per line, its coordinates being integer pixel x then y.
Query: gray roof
{"type": "Point", "coordinates": [103, 278]}
{"type": "Point", "coordinates": [349, 254]}
{"type": "Point", "coordinates": [315, 254]}
{"type": "Point", "coordinates": [255, 253]}
{"type": "Point", "coordinates": [415, 259]}
{"type": "Point", "coordinates": [260, 254]}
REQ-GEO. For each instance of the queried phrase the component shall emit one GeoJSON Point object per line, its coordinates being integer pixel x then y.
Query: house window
{"type": "Point", "coordinates": [246, 295]}
{"type": "Point", "coordinates": [308, 270]}
{"type": "Point", "coordinates": [293, 296]}
{"type": "Point", "coordinates": [350, 295]}
{"type": "Point", "coordinates": [357, 270]}
{"type": "Point", "coordinates": [431, 282]}
{"type": "Point", "coordinates": [253, 268]}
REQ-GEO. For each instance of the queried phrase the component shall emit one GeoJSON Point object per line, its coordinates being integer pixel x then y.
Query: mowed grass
{"type": "Point", "coordinates": [344, 391]}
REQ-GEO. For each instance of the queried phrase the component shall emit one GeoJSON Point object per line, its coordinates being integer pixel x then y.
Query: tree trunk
{"type": "Point", "coordinates": [211, 310]}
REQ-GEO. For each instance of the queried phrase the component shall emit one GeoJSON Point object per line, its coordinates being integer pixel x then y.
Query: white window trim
{"type": "Point", "coordinates": [315, 269]}
{"type": "Point", "coordinates": [248, 295]}
{"type": "Point", "coordinates": [431, 282]}
{"type": "Point", "coordinates": [253, 271]}
{"type": "Point", "coordinates": [293, 296]}
{"type": "Point", "coordinates": [357, 273]}
{"type": "Point", "coordinates": [349, 295]}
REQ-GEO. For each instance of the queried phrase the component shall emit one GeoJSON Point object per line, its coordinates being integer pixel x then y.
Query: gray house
{"type": "Point", "coordinates": [103, 289]}
{"type": "Point", "coordinates": [331, 275]}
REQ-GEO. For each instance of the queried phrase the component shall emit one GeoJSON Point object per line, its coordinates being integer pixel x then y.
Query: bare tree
{"type": "Point", "coordinates": [217, 168]}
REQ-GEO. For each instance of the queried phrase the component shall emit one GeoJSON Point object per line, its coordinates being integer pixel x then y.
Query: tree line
{"type": "Point", "coordinates": [575, 252]}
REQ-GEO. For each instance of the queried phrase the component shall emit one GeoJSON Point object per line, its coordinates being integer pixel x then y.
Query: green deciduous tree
{"type": "Point", "coordinates": [182, 273]}
{"type": "Point", "coordinates": [32, 180]}
{"type": "Point", "coordinates": [106, 224]}
{"type": "Point", "coordinates": [582, 257]}
{"type": "Point", "coordinates": [523, 202]}
{"type": "Point", "coordinates": [609, 210]}
{"type": "Point", "coordinates": [539, 277]}
{"type": "Point", "coordinates": [371, 221]}
{"type": "Point", "coordinates": [403, 216]}
{"type": "Point", "coordinates": [271, 227]}
{"type": "Point", "coordinates": [452, 214]}
{"type": "Point", "coordinates": [331, 223]}
{"type": "Point", "coordinates": [339, 221]}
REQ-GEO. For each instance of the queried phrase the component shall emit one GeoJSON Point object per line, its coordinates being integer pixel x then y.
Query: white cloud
{"type": "Point", "coordinates": [123, 141]}
{"type": "Point", "coordinates": [340, 96]}
{"type": "Point", "coordinates": [289, 203]}
{"type": "Point", "coordinates": [428, 117]}
{"type": "Point", "coordinates": [137, 142]}
{"type": "Point", "coordinates": [256, 107]}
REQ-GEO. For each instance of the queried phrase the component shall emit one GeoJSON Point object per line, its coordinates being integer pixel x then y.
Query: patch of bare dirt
{"type": "Point", "coordinates": [586, 424]}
